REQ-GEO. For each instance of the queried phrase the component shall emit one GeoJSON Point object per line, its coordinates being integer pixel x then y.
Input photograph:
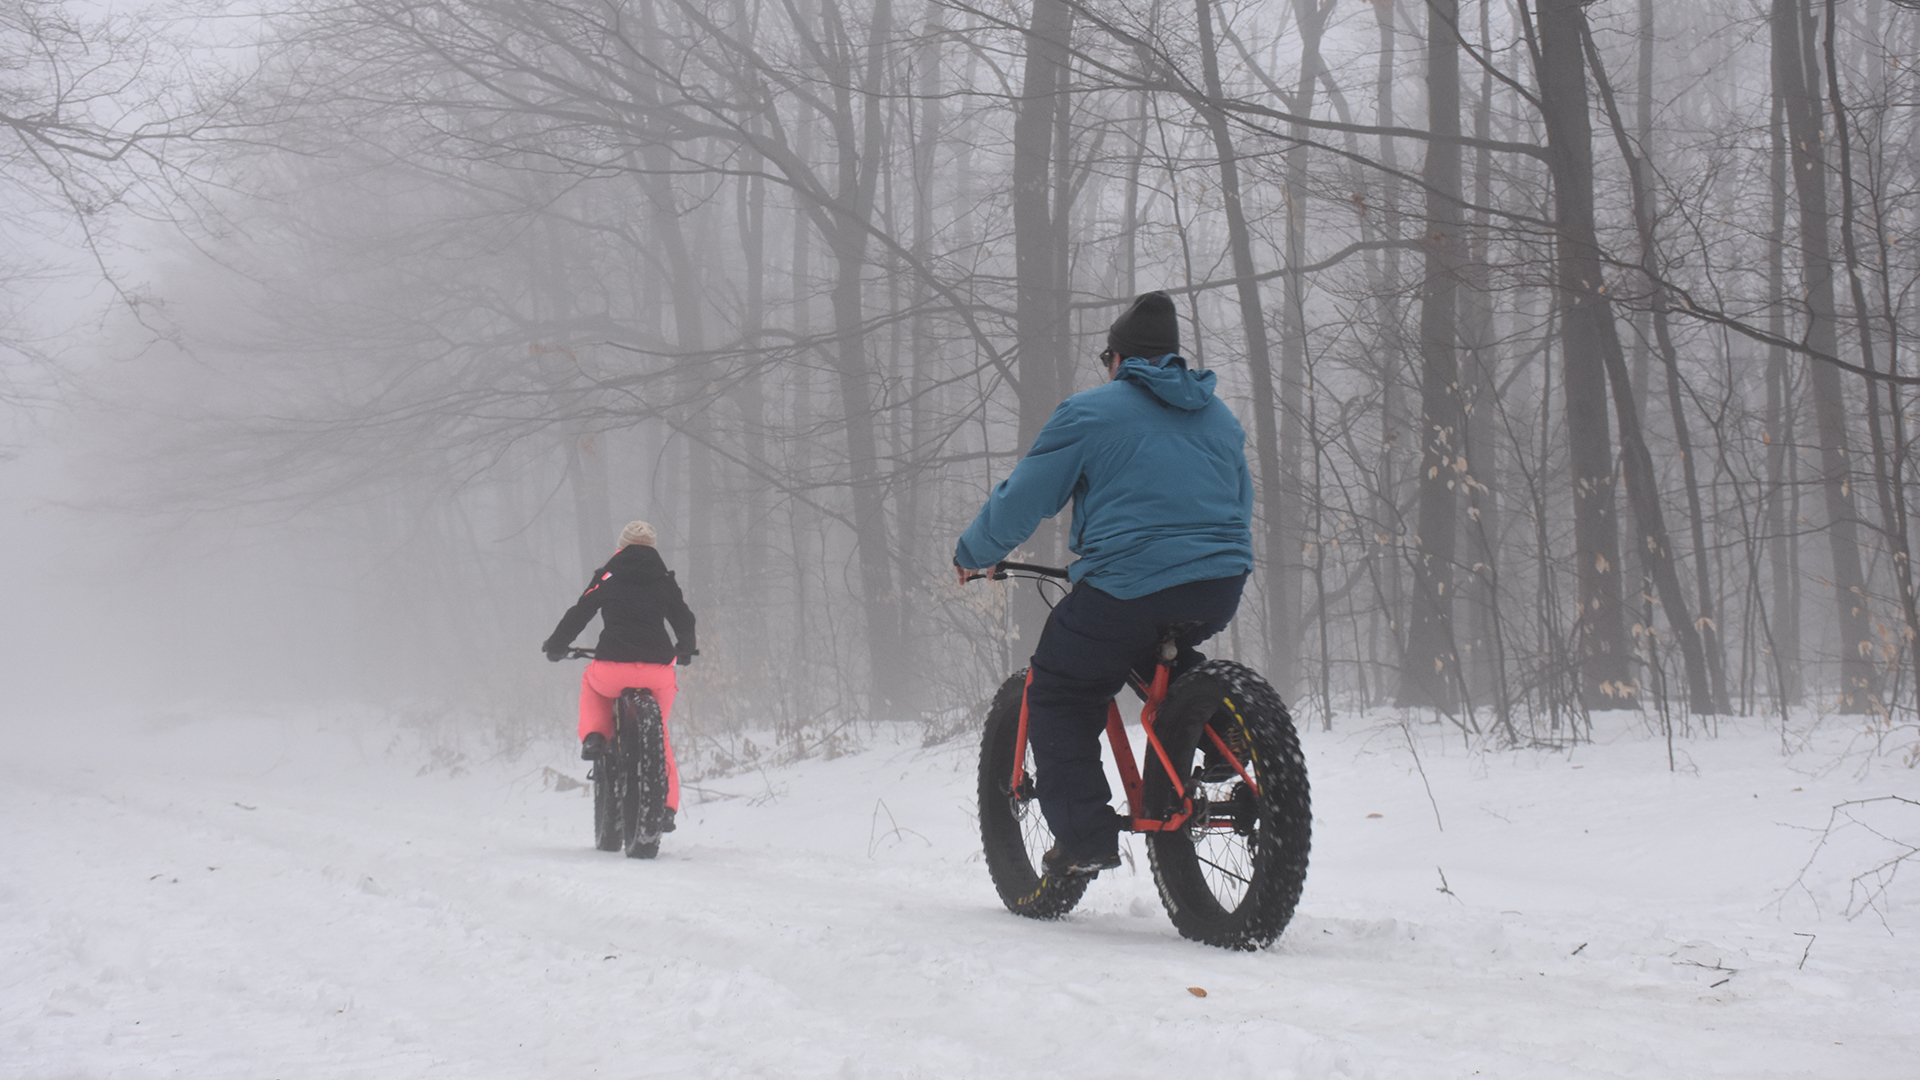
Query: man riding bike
{"type": "Point", "coordinates": [1156, 469]}
{"type": "Point", "coordinates": [637, 599]}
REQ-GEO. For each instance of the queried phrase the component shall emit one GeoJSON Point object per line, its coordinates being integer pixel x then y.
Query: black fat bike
{"type": "Point", "coordinates": [1223, 799]}
{"type": "Point", "coordinates": [630, 779]}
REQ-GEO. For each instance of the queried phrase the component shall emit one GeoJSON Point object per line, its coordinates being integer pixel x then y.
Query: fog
{"type": "Point", "coordinates": [344, 339]}
{"type": "Point", "coordinates": [131, 613]}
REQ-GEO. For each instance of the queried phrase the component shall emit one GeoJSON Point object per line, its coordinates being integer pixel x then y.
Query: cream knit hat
{"type": "Point", "coordinates": [637, 532]}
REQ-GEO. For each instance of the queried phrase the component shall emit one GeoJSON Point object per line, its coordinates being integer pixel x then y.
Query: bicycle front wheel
{"type": "Point", "coordinates": [644, 809]}
{"type": "Point", "coordinates": [1013, 834]}
{"type": "Point", "coordinates": [607, 835]}
{"type": "Point", "coordinates": [1233, 875]}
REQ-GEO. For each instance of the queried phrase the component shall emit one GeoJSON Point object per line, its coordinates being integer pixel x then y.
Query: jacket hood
{"type": "Point", "coordinates": [639, 560]}
{"type": "Point", "coordinates": [1168, 379]}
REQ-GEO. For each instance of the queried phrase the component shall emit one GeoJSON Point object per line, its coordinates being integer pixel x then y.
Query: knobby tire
{"type": "Point", "coordinates": [1013, 834]}
{"type": "Point", "coordinates": [606, 803]}
{"type": "Point", "coordinates": [630, 781]}
{"type": "Point", "coordinates": [1233, 876]}
{"type": "Point", "coordinates": [645, 812]}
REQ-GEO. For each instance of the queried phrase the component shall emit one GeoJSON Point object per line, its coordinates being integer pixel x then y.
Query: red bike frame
{"type": "Point", "coordinates": [1138, 821]}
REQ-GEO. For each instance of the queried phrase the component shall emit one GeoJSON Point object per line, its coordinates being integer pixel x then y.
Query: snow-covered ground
{"type": "Point", "coordinates": [225, 895]}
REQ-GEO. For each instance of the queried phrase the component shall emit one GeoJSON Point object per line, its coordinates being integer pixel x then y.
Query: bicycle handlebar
{"type": "Point", "coordinates": [1043, 571]}
{"type": "Point", "coordinates": [1000, 571]}
{"type": "Point", "coordinates": [589, 654]}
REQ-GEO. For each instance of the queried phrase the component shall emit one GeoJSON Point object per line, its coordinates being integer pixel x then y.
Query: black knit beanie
{"type": "Point", "coordinates": [1149, 328]}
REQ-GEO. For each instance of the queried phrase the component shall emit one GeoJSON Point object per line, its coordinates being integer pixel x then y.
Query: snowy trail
{"type": "Point", "coordinates": [217, 897]}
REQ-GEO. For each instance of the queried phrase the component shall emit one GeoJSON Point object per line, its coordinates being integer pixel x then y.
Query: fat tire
{"type": "Point", "coordinates": [649, 773]}
{"type": "Point", "coordinates": [1270, 846]}
{"type": "Point", "coordinates": [606, 804]}
{"type": "Point", "coordinates": [1013, 834]}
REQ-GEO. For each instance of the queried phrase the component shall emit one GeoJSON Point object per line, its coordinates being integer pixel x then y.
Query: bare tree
{"type": "Point", "coordinates": [1431, 675]}
{"type": "Point", "coordinates": [101, 123]}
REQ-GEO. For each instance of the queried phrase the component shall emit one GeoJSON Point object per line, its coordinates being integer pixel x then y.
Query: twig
{"type": "Point", "coordinates": [1449, 892]}
{"type": "Point", "coordinates": [1431, 801]}
{"type": "Point", "coordinates": [1801, 966]}
{"type": "Point", "coordinates": [874, 836]}
{"type": "Point", "coordinates": [1715, 966]}
{"type": "Point", "coordinates": [1862, 896]}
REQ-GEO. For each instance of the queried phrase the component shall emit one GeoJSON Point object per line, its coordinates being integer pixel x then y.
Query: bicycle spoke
{"type": "Point", "coordinates": [1222, 869]}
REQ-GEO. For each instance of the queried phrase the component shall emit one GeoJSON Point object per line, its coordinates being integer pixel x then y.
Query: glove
{"type": "Point", "coordinates": [554, 654]}
{"type": "Point", "coordinates": [685, 658]}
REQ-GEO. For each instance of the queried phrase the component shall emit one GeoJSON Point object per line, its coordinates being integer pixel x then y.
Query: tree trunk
{"type": "Point", "coordinates": [689, 337]}
{"type": "Point", "coordinates": [593, 520]}
{"type": "Point", "coordinates": [690, 342]}
{"type": "Point", "coordinates": [923, 348]}
{"type": "Point", "coordinates": [1797, 71]}
{"type": "Point", "coordinates": [859, 156]}
{"type": "Point", "coordinates": [1388, 533]}
{"type": "Point", "coordinates": [1253, 321]}
{"type": "Point", "coordinates": [1284, 577]}
{"type": "Point", "coordinates": [1887, 471]}
{"type": "Point", "coordinates": [1600, 632]}
{"type": "Point", "coordinates": [1040, 304]}
{"type": "Point", "coordinates": [1483, 662]}
{"type": "Point", "coordinates": [1430, 673]}
{"type": "Point", "coordinates": [1785, 615]}
{"type": "Point", "coordinates": [750, 395]}
{"type": "Point", "coordinates": [1708, 691]}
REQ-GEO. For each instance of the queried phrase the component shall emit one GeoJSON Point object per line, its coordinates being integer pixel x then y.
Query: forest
{"type": "Point", "coordinates": [1572, 340]}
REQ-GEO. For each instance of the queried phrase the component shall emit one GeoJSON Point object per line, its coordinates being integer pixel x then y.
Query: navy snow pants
{"type": "Point", "coordinates": [1091, 641]}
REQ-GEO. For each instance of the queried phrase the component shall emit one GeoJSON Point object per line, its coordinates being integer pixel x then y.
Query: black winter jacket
{"type": "Point", "coordinates": [634, 593]}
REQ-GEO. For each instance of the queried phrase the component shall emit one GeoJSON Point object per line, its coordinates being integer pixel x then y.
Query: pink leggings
{"type": "Point", "coordinates": [600, 687]}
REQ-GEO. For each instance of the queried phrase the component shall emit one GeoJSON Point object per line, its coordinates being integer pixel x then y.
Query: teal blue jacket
{"type": "Point", "coordinates": [1156, 468]}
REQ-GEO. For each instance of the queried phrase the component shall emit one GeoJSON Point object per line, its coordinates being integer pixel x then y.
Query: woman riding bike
{"type": "Point", "coordinates": [637, 598]}
{"type": "Point", "coordinates": [1156, 469]}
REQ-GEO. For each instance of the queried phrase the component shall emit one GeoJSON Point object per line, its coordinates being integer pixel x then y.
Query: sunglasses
{"type": "Point", "coordinates": [1105, 356]}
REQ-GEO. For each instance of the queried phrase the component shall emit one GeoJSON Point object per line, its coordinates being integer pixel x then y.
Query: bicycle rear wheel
{"type": "Point", "coordinates": [1013, 834]}
{"type": "Point", "coordinates": [646, 807]}
{"type": "Point", "coordinates": [1233, 875]}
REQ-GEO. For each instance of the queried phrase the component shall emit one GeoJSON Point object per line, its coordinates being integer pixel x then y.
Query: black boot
{"type": "Point", "coordinates": [1057, 863]}
{"type": "Point", "coordinates": [666, 820]}
{"type": "Point", "coordinates": [593, 747]}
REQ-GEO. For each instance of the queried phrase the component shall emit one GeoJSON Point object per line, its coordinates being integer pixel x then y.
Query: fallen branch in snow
{"type": "Point", "coordinates": [771, 794]}
{"type": "Point", "coordinates": [554, 780]}
{"type": "Point", "coordinates": [875, 836]}
{"type": "Point", "coordinates": [707, 794]}
{"type": "Point", "coordinates": [1802, 965]}
{"type": "Point", "coordinates": [1866, 890]}
{"type": "Point", "coordinates": [1443, 886]}
{"type": "Point", "coordinates": [1715, 966]}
